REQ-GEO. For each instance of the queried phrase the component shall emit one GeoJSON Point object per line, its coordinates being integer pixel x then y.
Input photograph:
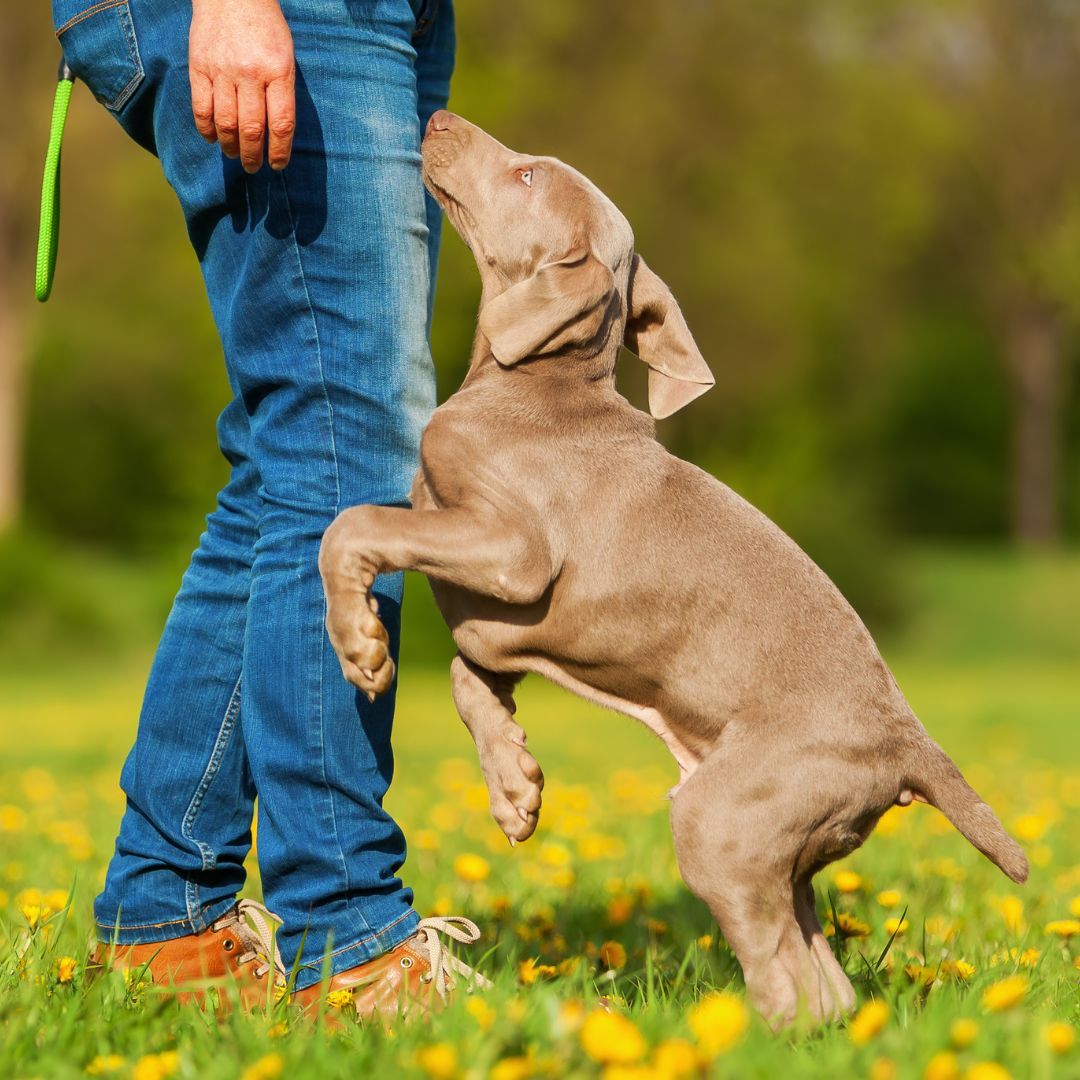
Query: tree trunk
{"type": "Point", "coordinates": [1036, 366]}
{"type": "Point", "coordinates": [11, 405]}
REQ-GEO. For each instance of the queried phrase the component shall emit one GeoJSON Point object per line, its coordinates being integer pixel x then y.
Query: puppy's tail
{"type": "Point", "coordinates": [934, 776]}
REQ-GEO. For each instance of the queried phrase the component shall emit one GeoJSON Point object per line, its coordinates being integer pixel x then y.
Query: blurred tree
{"type": "Point", "coordinates": [25, 53]}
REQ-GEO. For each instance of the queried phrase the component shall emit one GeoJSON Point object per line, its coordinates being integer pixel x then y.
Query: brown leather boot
{"type": "Point", "coordinates": [237, 949]}
{"type": "Point", "coordinates": [410, 980]}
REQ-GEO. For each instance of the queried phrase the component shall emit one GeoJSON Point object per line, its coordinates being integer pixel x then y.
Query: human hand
{"type": "Point", "coordinates": [242, 71]}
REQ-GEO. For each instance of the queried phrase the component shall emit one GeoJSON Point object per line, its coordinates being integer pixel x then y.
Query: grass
{"type": "Point", "coordinates": [989, 662]}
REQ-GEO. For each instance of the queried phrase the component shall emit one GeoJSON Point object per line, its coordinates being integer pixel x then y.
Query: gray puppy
{"type": "Point", "coordinates": [561, 538]}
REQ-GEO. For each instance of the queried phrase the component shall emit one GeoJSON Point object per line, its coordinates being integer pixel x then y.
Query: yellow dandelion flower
{"type": "Point", "coordinates": [674, 1058]}
{"type": "Point", "coordinates": [266, 1068]}
{"type": "Point", "coordinates": [718, 1022]}
{"type": "Point", "coordinates": [1065, 928]}
{"type": "Point", "coordinates": [278, 1030]}
{"type": "Point", "coordinates": [570, 1017]}
{"type": "Point", "coordinates": [1012, 911]}
{"type": "Point", "coordinates": [960, 970]}
{"type": "Point", "coordinates": [38, 785]}
{"type": "Point", "coordinates": [849, 926]}
{"type": "Point", "coordinates": [889, 898]}
{"type": "Point", "coordinates": [55, 900]}
{"type": "Point", "coordinates": [847, 881]}
{"type": "Point", "coordinates": [427, 840]}
{"type": "Point", "coordinates": [471, 868]}
{"type": "Point", "coordinates": [595, 846]}
{"type": "Point", "coordinates": [987, 1070]}
{"type": "Point", "coordinates": [1030, 827]}
{"type": "Point", "coordinates": [439, 1061]}
{"type": "Point", "coordinates": [611, 1038]}
{"type": "Point", "coordinates": [705, 941]}
{"type": "Point", "coordinates": [570, 965]}
{"type": "Point", "coordinates": [868, 1022]}
{"type": "Point", "coordinates": [619, 910]}
{"type": "Point", "coordinates": [631, 1072]}
{"type": "Point", "coordinates": [529, 971]}
{"type": "Point", "coordinates": [1028, 958]}
{"type": "Point", "coordinates": [554, 855]}
{"type": "Point", "coordinates": [104, 1064]}
{"type": "Point", "coordinates": [12, 819]}
{"type": "Point", "coordinates": [32, 914]}
{"type": "Point", "coordinates": [562, 877]}
{"type": "Point", "coordinates": [66, 967]}
{"type": "Point", "coordinates": [1005, 993]}
{"type": "Point", "coordinates": [156, 1066]}
{"type": "Point", "coordinates": [895, 927]}
{"type": "Point", "coordinates": [1074, 906]}
{"type": "Point", "coordinates": [340, 999]}
{"type": "Point", "coordinates": [942, 1066]}
{"type": "Point", "coordinates": [940, 927]}
{"type": "Point", "coordinates": [920, 973]}
{"type": "Point", "coordinates": [513, 1068]}
{"type": "Point", "coordinates": [484, 1015]}
{"type": "Point", "coordinates": [883, 1069]}
{"type": "Point", "coordinates": [1059, 1036]}
{"type": "Point", "coordinates": [612, 955]}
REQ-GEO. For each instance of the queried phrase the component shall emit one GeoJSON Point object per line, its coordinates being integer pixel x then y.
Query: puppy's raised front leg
{"type": "Point", "coordinates": [485, 702]}
{"type": "Point", "coordinates": [478, 551]}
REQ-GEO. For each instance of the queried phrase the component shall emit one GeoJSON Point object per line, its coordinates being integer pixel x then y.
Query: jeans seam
{"type": "Point", "coordinates": [337, 509]}
{"type": "Point", "coordinates": [83, 15]}
{"type": "Point", "coordinates": [206, 853]}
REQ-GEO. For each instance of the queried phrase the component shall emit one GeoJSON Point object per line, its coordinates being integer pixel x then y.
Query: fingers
{"type": "Point", "coordinates": [280, 120]}
{"type": "Point", "coordinates": [202, 104]}
{"type": "Point", "coordinates": [251, 124]}
{"type": "Point", "coordinates": [226, 119]}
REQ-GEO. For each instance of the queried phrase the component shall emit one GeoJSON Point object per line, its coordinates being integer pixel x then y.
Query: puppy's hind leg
{"type": "Point", "coordinates": [485, 703]}
{"type": "Point", "coordinates": [739, 832]}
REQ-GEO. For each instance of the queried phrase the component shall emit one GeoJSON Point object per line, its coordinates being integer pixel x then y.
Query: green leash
{"type": "Point", "coordinates": [49, 223]}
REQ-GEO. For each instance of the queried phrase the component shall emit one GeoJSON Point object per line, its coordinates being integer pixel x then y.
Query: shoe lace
{"type": "Point", "coordinates": [255, 926]}
{"type": "Point", "coordinates": [444, 965]}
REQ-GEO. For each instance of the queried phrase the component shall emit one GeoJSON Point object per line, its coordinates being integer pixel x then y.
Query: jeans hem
{"type": "Point", "coordinates": [150, 933]}
{"type": "Point", "coordinates": [369, 947]}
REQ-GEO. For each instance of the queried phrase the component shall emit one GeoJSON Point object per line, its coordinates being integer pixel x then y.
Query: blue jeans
{"type": "Point", "coordinates": [319, 279]}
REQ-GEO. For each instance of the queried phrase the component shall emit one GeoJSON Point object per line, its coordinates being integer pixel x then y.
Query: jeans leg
{"type": "Point", "coordinates": [180, 852]}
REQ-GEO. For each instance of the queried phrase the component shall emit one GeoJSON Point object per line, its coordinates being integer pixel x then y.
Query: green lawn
{"type": "Point", "coordinates": [990, 662]}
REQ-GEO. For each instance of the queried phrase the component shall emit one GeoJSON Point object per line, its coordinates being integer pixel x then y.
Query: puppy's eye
{"type": "Point", "coordinates": [525, 176]}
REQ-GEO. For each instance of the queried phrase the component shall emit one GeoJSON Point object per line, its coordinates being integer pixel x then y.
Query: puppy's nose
{"type": "Point", "coordinates": [440, 121]}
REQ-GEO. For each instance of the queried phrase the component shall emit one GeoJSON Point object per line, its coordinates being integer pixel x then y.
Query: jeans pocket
{"type": "Point", "coordinates": [100, 47]}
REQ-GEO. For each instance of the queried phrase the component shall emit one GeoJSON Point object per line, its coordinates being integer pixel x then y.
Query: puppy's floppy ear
{"type": "Point", "coordinates": [564, 303]}
{"type": "Point", "coordinates": [657, 332]}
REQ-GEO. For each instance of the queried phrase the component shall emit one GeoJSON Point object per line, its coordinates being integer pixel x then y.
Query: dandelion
{"type": "Point", "coordinates": [266, 1068]}
{"type": "Point", "coordinates": [427, 840]}
{"type": "Point", "coordinates": [705, 941]}
{"type": "Point", "coordinates": [894, 927]}
{"type": "Point", "coordinates": [1064, 928]}
{"type": "Point", "coordinates": [1030, 827]}
{"type": "Point", "coordinates": [619, 910]}
{"type": "Point", "coordinates": [1059, 1036]}
{"type": "Point", "coordinates": [570, 1017]}
{"type": "Point", "coordinates": [675, 1058]}
{"type": "Point", "coordinates": [278, 1031]}
{"type": "Point", "coordinates": [32, 914]}
{"type": "Point", "coordinates": [960, 970]}
{"type": "Point", "coordinates": [512, 1068]}
{"type": "Point", "coordinates": [12, 819]}
{"type": "Point", "coordinates": [471, 868]}
{"type": "Point", "coordinates": [481, 1012]}
{"type": "Point", "coordinates": [868, 1022]}
{"type": "Point", "coordinates": [1005, 993]}
{"type": "Point", "coordinates": [942, 1066]}
{"type": "Point", "coordinates": [987, 1070]}
{"type": "Point", "coordinates": [718, 1022]}
{"type": "Point", "coordinates": [611, 1038]}
{"type": "Point", "coordinates": [1012, 911]}
{"type": "Point", "coordinates": [889, 898]}
{"type": "Point", "coordinates": [439, 1061]}
{"type": "Point", "coordinates": [920, 973]}
{"type": "Point", "coordinates": [340, 999]}
{"type": "Point", "coordinates": [883, 1069]}
{"type": "Point", "coordinates": [104, 1064]}
{"type": "Point", "coordinates": [850, 927]}
{"type": "Point", "coordinates": [1074, 906]}
{"type": "Point", "coordinates": [563, 877]}
{"type": "Point", "coordinates": [963, 1032]}
{"type": "Point", "coordinates": [65, 969]}
{"type": "Point", "coordinates": [156, 1066]}
{"type": "Point", "coordinates": [612, 955]}
{"type": "Point", "coordinates": [847, 881]}
{"type": "Point", "coordinates": [529, 971]}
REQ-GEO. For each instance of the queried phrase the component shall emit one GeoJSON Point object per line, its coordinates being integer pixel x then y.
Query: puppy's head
{"type": "Point", "coordinates": [557, 262]}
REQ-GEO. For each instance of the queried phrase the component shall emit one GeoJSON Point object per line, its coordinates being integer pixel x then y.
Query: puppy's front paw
{"type": "Point", "coordinates": [359, 637]}
{"type": "Point", "coordinates": [515, 781]}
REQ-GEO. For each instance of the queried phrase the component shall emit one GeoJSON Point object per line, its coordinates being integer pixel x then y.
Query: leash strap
{"type": "Point", "coordinates": [49, 222]}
